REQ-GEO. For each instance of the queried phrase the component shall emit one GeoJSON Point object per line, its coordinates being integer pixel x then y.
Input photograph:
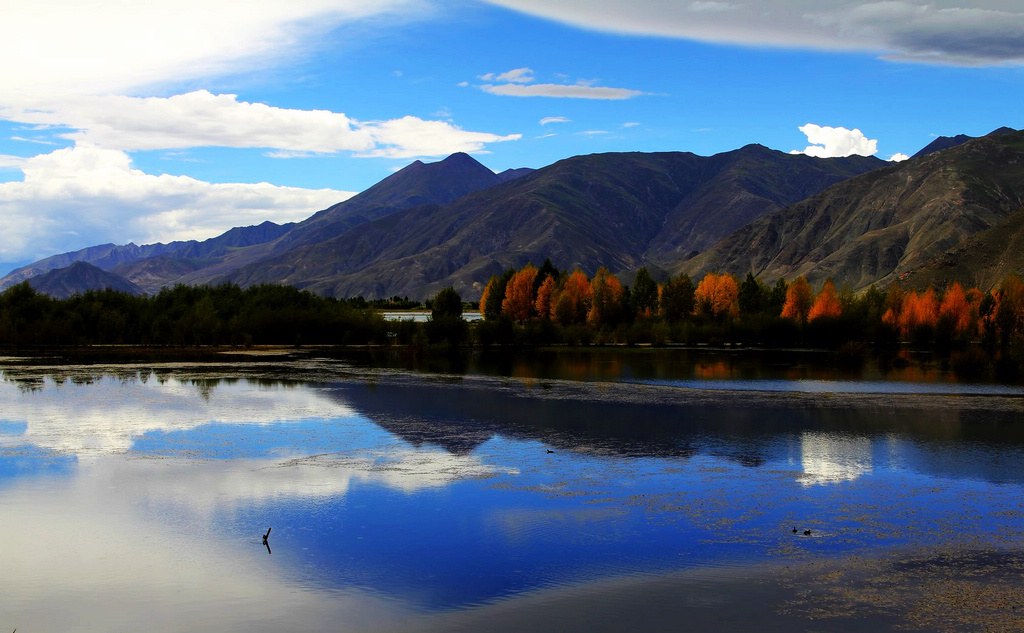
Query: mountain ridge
{"type": "Point", "coordinates": [455, 222]}
{"type": "Point", "coordinates": [874, 227]}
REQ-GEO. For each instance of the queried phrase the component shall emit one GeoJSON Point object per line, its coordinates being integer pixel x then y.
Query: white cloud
{"type": "Point", "coordinates": [73, 47]}
{"type": "Point", "coordinates": [592, 132]}
{"type": "Point", "coordinates": [410, 136]}
{"type": "Point", "coordinates": [97, 192]}
{"type": "Point", "coordinates": [203, 119]}
{"type": "Point", "coordinates": [516, 76]}
{"type": "Point", "coordinates": [835, 142]}
{"type": "Point", "coordinates": [554, 119]}
{"type": "Point", "coordinates": [898, 158]}
{"type": "Point", "coordinates": [629, 124]}
{"type": "Point", "coordinates": [958, 32]}
{"type": "Point", "coordinates": [85, 420]}
{"type": "Point", "coordinates": [560, 90]}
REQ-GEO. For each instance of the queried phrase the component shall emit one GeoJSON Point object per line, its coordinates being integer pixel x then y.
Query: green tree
{"type": "Point", "coordinates": [447, 305]}
{"type": "Point", "coordinates": [677, 300]}
{"type": "Point", "coordinates": [644, 294]}
{"type": "Point", "coordinates": [753, 296]}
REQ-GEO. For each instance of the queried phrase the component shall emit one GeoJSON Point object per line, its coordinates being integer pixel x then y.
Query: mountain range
{"type": "Point", "coordinates": [858, 220]}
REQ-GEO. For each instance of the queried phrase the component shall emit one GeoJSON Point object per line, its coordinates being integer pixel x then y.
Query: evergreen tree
{"type": "Point", "coordinates": [644, 294]}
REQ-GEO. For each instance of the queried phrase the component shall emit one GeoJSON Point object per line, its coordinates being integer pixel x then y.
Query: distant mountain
{"type": "Point", "coordinates": [947, 142]}
{"type": "Point", "coordinates": [875, 227]}
{"type": "Point", "coordinates": [414, 185]}
{"type": "Point", "coordinates": [512, 174]}
{"type": "Point", "coordinates": [77, 278]}
{"type": "Point", "coordinates": [456, 222]}
{"type": "Point", "coordinates": [110, 256]}
{"type": "Point", "coordinates": [618, 210]}
{"type": "Point", "coordinates": [941, 143]}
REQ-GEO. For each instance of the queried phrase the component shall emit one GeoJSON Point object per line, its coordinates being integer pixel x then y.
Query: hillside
{"type": "Point", "coordinates": [77, 278]}
{"type": "Point", "coordinates": [877, 226]}
{"type": "Point", "coordinates": [622, 211]}
{"type": "Point", "coordinates": [982, 261]}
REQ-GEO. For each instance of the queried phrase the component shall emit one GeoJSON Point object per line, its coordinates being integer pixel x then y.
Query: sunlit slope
{"type": "Point", "coordinates": [882, 225]}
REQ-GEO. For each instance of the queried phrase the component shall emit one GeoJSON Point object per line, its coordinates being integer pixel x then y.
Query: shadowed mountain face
{"type": "Point", "coordinates": [622, 211]}
{"type": "Point", "coordinates": [880, 226]}
{"type": "Point", "coordinates": [454, 222]}
{"type": "Point", "coordinates": [157, 265]}
{"type": "Point", "coordinates": [77, 278]}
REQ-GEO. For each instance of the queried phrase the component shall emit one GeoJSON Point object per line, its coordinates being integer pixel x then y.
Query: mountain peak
{"type": "Point", "coordinates": [460, 157]}
{"type": "Point", "coordinates": [943, 142]}
{"type": "Point", "coordinates": [79, 277]}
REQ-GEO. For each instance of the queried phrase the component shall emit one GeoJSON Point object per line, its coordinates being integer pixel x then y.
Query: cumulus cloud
{"type": "Point", "coordinates": [955, 32]}
{"type": "Point", "coordinates": [554, 119]}
{"type": "Point", "coordinates": [203, 119]}
{"type": "Point", "coordinates": [98, 193]}
{"type": "Point", "coordinates": [836, 142]}
{"type": "Point", "coordinates": [898, 158]}
{"type": "Point", "coordinates": [411, 136]}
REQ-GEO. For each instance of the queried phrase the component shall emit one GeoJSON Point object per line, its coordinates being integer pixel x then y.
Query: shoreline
{"type": "Point", "coordinates": [930, 590]}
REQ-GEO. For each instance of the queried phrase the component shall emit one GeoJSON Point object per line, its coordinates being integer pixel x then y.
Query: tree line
{"type": "Point", "coordinates": [545, 304]}
{"type": "Point", "coordinates": [186, 315]}
{"type": "Point", "coordinates": [536, 306]}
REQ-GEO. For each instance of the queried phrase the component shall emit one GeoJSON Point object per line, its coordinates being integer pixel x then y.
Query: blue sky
{"type": "Point", "coordinates": [154, 123]}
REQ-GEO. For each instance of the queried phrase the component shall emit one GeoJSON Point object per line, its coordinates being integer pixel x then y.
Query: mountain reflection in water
{"type": "Point", "coordinates": [413, 494]}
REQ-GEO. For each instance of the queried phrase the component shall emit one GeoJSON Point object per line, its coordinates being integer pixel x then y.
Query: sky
{"type": "Point", "coordinates": [156, 121]}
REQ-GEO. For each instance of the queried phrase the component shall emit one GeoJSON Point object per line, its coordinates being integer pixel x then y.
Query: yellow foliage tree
{"type": "Point", "coordinates": [717, 296]}
{"type": "Point", "coordinates": [606, 298]}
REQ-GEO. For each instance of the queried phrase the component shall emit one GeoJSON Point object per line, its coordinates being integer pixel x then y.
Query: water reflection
{"type": "Point", "coordinates": [828, 458]}
{"type": "Point", "coordinates": [392, 496]}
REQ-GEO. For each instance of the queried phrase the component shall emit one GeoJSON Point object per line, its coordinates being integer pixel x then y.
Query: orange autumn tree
{"type": "Point", "coordinates": [717, 296]}
{"type": "Point", "coordinates": [955, 310]}
{"type": "Point", "coordinates": [919, 310]}
{"type": "Point", "coordinates": [799, 299]}
{"type": "Point", "coordinates": [519, 300]}
{"type": "Point", "coordinates": [573, 301]}
{"type": "Point", "coordinates": [606, 298]}
{"type": "Point", "coordinates": [826, 304]}
{"type": "Point", "coordinates": [545, 303]}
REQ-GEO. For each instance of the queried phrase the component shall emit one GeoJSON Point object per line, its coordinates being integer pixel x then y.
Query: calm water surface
{"type": "Point", "coordinates": [136, 497]}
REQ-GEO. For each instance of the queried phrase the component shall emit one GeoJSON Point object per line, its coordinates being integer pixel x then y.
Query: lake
{"type": "Point", "coordinates": [567, 491]}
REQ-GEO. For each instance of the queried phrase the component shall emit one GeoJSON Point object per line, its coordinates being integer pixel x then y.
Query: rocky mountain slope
{"type": "Point", "coordinates": [881, 225]}
{"type": "Point", "coordinates": [622, 211]}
